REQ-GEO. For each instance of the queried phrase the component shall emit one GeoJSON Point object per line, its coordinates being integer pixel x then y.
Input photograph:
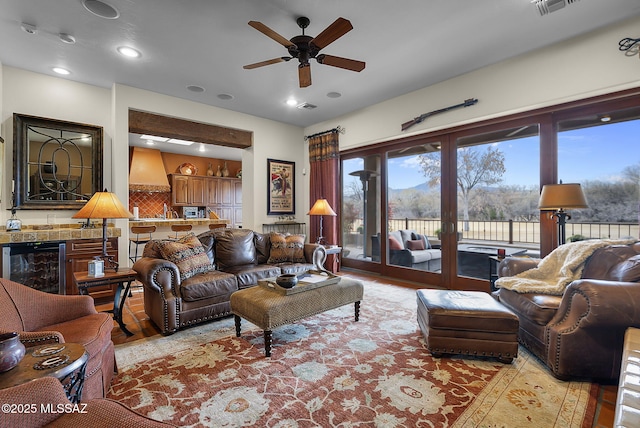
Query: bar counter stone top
{"type": "Point", "coordinates": [57, 232]}
{"type": "Point", "coordinates": [159, 222]}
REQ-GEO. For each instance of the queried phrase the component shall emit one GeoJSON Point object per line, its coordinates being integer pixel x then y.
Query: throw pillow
{"type": "Point", "coordinates": [425, 240]}
{"type": "Point", "coordinates": [394, 244]}
{"type": "Point", "coordinates": [628, 270]}
{"type": "Point", "coordinates": [187, 253]}
{"type": "Point", "coordinates": [286, 248]}
{"type": "Point", "coordinates": [415, 244]}
{"type": "Point", "coordinates": [235, 247]}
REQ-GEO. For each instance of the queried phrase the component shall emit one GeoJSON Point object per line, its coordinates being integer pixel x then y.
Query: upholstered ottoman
{"type": "Point", "coordinates": [269, 309]}
{"type": "Point", "coordinates": [467, 322]}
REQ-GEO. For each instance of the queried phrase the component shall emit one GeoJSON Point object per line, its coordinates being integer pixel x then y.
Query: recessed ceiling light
{"type": "Point", "coordinates": [195, 88]}
{"type": "Point", "coordinates": [225, 97]}
{"type": "Point", "coordinates": [67, 38]}
{"type": "Point", "coordinates": [150, 142]}
{"type": "Point", "coordinates": [292, 102]}
{"type": "Point", "coordinates": [153, 138]}
{"type": "Point", "coordinates": [605, 119]}
{"type": "Point", "coordinates": [61, 70]}
{"type": "Point", "coordinates": [334, 94]}
{"type": "Point", "coordinates": [201, 147]}
{"type": "Point", "coordinates": [180, 142]}
{"type": "Point", "coordinates": [101, 9]}
{"type": "Point", "coordinates": [129, 52]}
{"type": "Point", "coordinates": [29, 28]}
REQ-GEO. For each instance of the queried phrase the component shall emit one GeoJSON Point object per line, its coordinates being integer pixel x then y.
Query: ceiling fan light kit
{"type": "Point", "coordinates": [305, 47]}
{"type": "Point", "coordinates": [547, 6]}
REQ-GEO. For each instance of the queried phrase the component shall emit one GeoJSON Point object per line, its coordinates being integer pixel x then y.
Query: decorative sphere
{"type": "Point", "coordinates": [288, 280]}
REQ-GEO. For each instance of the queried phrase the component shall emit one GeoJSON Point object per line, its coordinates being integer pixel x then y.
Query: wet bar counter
{"type": "Point", "coordinates": [163, 227]}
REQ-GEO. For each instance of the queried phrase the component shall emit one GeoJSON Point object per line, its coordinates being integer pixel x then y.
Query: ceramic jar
{"type": "Point", "coordinates": [288, 280]}
{"type": "Point", "coordinates": [11, 351]}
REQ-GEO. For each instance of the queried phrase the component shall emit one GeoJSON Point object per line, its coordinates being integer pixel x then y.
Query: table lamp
{"type": "Point", "coordinates": [104, 205]}
{"type": "Point", "coordinates": [321, 208]}
{"type": "Point", "coordinates": [558, 197]}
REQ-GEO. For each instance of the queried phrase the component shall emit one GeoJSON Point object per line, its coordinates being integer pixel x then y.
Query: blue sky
{"type": "Point", "coordinates": [596, 153]}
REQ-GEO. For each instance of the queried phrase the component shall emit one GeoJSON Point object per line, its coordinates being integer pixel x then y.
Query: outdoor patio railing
{"type": "Point", "coordinates": [516, 232]}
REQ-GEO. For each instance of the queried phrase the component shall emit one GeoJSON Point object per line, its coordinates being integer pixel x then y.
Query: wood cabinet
{"type": "Point", "coordinates": [224, 197]}
{"type": "Point", "coordinates": [79, 253]}
{"type": "Point", "coordinates": [187, 190]}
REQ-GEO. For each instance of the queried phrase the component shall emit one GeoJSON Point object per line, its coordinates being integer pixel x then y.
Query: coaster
{"type": "Point", "coordinates": [51, 362]}
{"type": "Point", "coordinates": [48, 350]}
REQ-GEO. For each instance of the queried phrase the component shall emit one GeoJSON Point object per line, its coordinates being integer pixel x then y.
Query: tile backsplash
{"type": "Point", "coordinates": [149, 205]}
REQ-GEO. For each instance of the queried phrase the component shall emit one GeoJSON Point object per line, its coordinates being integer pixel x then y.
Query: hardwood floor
{"type": "Point", "coordinates": [140, 325]}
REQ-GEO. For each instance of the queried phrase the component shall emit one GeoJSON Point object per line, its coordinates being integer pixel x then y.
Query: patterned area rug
{"type": "Point", "coordinates": [329, 371]}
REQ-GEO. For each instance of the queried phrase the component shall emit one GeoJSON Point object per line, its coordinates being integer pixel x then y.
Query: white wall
{"type": "Point", "coordinates": [36, 94]}
{"type": "Point", "coordinates": [579, 68]}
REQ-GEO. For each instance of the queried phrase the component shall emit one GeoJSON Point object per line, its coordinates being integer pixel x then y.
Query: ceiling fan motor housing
{"type": "Point", "coordinates": [303, 49]}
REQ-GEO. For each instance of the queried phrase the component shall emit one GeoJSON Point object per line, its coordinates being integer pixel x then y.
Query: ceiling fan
{"type": "Point", "coordinates": [306, 47]}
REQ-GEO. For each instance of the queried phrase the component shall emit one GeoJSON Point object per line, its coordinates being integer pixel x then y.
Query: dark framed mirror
{"type": "Point", "coordinates": [56, 164]}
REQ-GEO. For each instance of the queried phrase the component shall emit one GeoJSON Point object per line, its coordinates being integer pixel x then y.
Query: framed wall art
{"type": "Point", "coordinates": [281, 187]}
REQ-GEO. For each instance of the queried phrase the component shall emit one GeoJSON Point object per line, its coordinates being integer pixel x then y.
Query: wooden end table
{"type": "Point", "coordinates": [64, 361]}
{"type": "Point", "coordinates": [123, 278]}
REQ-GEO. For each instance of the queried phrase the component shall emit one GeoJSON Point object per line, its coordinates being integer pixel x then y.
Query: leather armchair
{"type": "Point", "coordinates": [580, 334]}
{"type": "Point", "coordinates": [48, 393]}
{"type": "Point", "coordinates": [42, 318]}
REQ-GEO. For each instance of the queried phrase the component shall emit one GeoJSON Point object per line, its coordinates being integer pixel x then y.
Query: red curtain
{"type": "Point", "coordinates": [324, 158]}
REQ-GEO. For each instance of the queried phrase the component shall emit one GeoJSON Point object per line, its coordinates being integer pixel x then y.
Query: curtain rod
{"type": "Point", "coordinates": [339, 129]}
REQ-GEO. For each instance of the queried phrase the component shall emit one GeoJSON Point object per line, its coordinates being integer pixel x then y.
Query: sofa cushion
{"type": "Point", "coordinates": [188, 254]}
{"type": "Point", "coordinates": [263, 245]}
{"type": "Point", "coordinates": [208, 243]}
{"type": "Point", "coordinates": [537, 308]}
{"type": "Point", "coordinates": [415, 244]}
{"type": "Point", "coordinates": [286, 248]}
{"type": "Point", "coordinates": [235, 247]}
{"type": "Point", "coordinates": [247, 275]}
{"type": "Point", "coordinates": [394, 244]}
{"type": "Point", "coordinates": [207, 285]}
{"type": "Point", "coordinates": [602, 261]}
{"type": "Point", "coordinates": [421, 256]}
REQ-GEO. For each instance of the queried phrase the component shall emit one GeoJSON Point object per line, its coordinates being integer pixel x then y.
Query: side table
{"type": "Point", "coordinates": [64, 361]}
{"type": "Point", "coordinates": [333, 258]}
{"type": "Point", "coordinates": [123, 278]}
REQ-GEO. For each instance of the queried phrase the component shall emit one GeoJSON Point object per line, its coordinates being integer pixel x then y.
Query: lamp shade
{"type": "Point", "coordinates": [103, 205]}
{"type": "Point", "coordinates": [321, 207]}
{"type": "Point", "coordinates": [562, 196]}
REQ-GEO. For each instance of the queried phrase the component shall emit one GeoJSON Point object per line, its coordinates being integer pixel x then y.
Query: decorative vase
{"type": "Point", "coordinates": [11, 351]}
{"type": "Point", "coordinates": [239, 173]}
{"type": "Point", "coordinates": [225, 170]}
{"type": "Point", "coordinates": [210, 170]}
{"type": "Point", "coordinates": [288, 280]}
{"type": "Point", "coordinates": [218, 172]}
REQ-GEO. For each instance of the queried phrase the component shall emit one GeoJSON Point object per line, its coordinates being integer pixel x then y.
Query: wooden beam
{"type": "Point", "coordinates": [171, 127]}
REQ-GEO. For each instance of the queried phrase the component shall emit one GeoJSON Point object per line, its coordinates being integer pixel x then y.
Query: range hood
{"type": "Point", "coordinates": [147, 173]}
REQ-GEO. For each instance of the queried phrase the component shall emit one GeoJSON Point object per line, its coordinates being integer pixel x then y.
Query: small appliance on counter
{"type": "Point", "coordinates": [190, 212]}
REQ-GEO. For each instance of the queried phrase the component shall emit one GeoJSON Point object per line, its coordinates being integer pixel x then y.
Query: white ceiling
{"type": "Point", "coordinates": [406, 44]}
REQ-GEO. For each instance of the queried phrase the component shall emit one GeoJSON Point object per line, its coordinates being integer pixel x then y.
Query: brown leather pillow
{"type": "Point", "coordinates": [235, 247]}
{"type": "Point", "coordinates": [628, 270]}
{"type": "Point", "coordinates": [286, 248]}
{"type": "Point", "coordinates": [415, 244]}
{"type": "Point", "coordinates": [394, 244]}
{"type": "Point", "coordinates": [262, 242]}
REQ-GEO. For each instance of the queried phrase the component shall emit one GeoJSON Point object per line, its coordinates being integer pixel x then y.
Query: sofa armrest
{"type": "Point", "coordinates": [316, 255]}
{"type": "Point", "coordinates": [511, 266]}
{"type": "Point", "coordinates": [159, 275]}
{"type": "Point", "coordinates": [589, 326]}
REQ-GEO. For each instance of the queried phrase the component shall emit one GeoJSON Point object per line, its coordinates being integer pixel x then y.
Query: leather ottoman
{"type": "Point", "coordinates": [467, 322]}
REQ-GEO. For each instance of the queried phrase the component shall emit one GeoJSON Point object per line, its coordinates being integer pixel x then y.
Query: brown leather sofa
{"type": "Point", "coordinates": [43, 403]}
{"type": "Point", "coordinates": [580, 334]}
{"type": "Point", "coordinates": [43, 318]}
{"type": "Point", "coordinates": [238, 259]}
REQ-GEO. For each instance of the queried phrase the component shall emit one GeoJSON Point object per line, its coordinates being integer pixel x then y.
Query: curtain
{"type": "Point", "coordinates": [324, 159]}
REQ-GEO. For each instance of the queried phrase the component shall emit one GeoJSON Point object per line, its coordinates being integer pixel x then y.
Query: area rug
{"type": "Point", "coordinates": [330, 371]}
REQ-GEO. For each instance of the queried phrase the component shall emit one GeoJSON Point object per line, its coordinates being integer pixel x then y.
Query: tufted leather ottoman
{"type": "Point", "coordinates": [467, 322]}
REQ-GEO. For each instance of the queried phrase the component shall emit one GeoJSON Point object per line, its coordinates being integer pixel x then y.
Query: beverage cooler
{"type": "Point", "coordinates": [39, 265]}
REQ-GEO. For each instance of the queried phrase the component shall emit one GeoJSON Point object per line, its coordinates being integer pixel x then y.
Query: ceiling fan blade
{"type": "Point", "coordinates": [333, 32]}
{"type": "Point", "coordinates": [336, 61]}
{"type": "Point", "coordinates": [270, 33]}
{"type": "Point", "coordinates": [304, 75]}
{"type": "Point", "coordinates": [267, 62]}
